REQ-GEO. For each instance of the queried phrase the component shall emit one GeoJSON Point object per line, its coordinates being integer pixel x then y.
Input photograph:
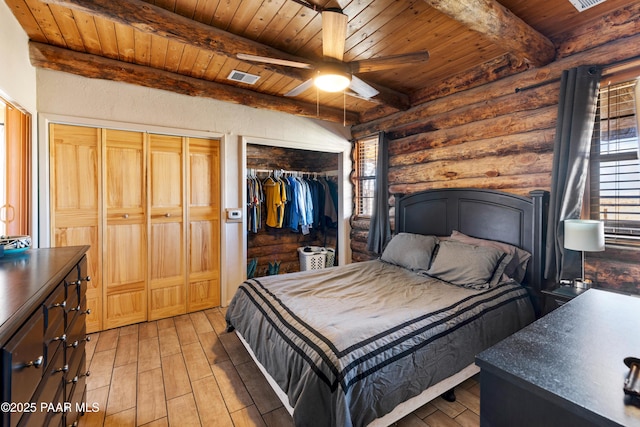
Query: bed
{"type": "Point", "coordinates": [367, 343]}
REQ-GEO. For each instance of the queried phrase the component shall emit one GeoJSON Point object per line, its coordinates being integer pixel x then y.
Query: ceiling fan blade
{"type": "Point", "coordinates": [274, 61]}
{"type": "Point", "coordinates": [334, 34]}
{"type": "Point", "coordinates": [300, 88]}
{"type": "Point", "coordinates": [361, 88]}
{"type": "Point", "coordinates": [387, 62]}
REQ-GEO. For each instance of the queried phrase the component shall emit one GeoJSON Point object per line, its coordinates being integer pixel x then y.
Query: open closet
{"type": "Point", "coordinates": [292, 202]}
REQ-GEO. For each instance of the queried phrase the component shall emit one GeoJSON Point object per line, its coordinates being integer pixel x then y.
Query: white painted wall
{"type": "Point", "coordinates": [17, 76]}
{"type": "Point", "coordinates": [68, 98]}
{"type": "Point", "coordinates": [18, 84]}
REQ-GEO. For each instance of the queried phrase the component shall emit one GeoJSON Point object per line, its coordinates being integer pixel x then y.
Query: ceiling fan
{"type": "Point", "coordinates": [332, 74]}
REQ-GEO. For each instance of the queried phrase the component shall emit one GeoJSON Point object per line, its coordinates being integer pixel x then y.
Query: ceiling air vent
{"type": "Point", "coordinates": [242, 77]}
{"type": "Point", "coordinates": [582, 5]}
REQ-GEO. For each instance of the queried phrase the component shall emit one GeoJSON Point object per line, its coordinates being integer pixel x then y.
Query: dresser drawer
{"type": "Point", "coordinates": [76, 356]}
{"type": "Point", "coordinates": [72, 293]}
{"type": "Point", "coordinates": [48, 398]}
{"type": "Point", "coordinates": [23, 359]}
{"type": "Point", "coordinates": [54, 322]}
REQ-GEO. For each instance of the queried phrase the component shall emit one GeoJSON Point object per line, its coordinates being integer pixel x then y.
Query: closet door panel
{"type": "Point", "coordinates": [75, 193]}
{"type": "Point", "coordinates": [125, 294]}
{"type": "Point", "coordinates": [204, 285]}
{"type": "Point", "coordinates": [167, 255]}
{"type": "Point", "coordinates": [204, 224]}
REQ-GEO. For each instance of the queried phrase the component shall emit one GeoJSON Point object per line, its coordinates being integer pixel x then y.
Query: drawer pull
{"type": "Point", "coordinates": [125, 216]}
{"type": "Point", "coordinates": [74, 380]}
{"type": "Point", "coordinates": [62, 304]}
{"type": "Point", "coordinates": [35, 363]}
{"type": "Point", "coordinates": [76, 343]}
{"type": "Point", "coordinates": [87, 311]}
{"type": "Point", "coordinates": [86, 374]}
{"type": "Point", "coordinates": [62, 338]}
{"type": "Point", "coordinates": [167, 215]}
{"type": "Point", "coordinates": [65, 368]}
{"type": "Point", "coordinates": [86, 279]}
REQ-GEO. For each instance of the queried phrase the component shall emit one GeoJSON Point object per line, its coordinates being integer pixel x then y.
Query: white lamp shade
{"type": "Point", "coordinates": [584, 235]}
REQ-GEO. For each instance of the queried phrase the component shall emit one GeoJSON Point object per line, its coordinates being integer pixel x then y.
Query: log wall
{"type": "Point", "coordinates": [496, 136]}
{"type": "Point", "coordinates": [274, 244]}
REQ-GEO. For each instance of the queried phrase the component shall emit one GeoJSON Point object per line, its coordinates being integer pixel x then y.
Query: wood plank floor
{"type": "Point", "coordinates": [187, 371]}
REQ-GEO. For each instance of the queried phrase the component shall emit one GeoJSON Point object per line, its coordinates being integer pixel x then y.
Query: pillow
{"type": "Point", "coordinates": [517, 267]}
{"type": "Point", "coordinates": [472, 266]}
{"type": "Point", "coordinates": [412, 251]}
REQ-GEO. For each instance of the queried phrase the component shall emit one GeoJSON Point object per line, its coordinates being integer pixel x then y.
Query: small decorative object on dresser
{"type": "Point", "coordinates": [14, 244]}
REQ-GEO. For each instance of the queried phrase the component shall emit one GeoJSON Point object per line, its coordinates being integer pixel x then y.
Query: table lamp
{"type": "Point", "coordinates": [583, 235]}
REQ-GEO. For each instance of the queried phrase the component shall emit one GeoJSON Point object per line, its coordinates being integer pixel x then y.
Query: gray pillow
{"type": "Point", "coordinates": [516, 268]}
{"type": "Point", "coordinates": [473, 266]}
{"type": "Point", "coordinates": [412, 251]}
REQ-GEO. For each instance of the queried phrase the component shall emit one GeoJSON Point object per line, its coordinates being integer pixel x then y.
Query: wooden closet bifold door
{"type": "Point", "coordinates": [204, 224]}
{"type": "Point", "coordinates": [76, 193]}
{"type": "Point", "coordinates": [167, 252]}
{"type": "Point", "coordinates": [149, 207]}
{"type": "Point", "coordinates": [125, 242]}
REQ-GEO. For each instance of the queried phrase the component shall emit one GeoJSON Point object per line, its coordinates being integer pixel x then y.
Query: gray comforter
{"type": "Point", "coordinates": [348, 344]}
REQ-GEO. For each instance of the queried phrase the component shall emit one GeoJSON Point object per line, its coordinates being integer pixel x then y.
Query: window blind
{"type": "Point", "coordinates": [615, 166]}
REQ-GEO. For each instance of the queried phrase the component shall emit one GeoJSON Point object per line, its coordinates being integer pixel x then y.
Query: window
{"type": "Point", "coordinates": [615, 165]}
{"type": "Point", "coordinates": [15, 165]}
{"type": "Point", "coordinates": [366, 155]}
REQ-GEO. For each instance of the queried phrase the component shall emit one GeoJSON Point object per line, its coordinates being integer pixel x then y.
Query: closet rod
{"type": "Point", "coordinates": [325, 173]}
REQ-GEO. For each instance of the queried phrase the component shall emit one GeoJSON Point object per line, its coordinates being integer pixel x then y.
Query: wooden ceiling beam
{"type": "Point", "coordinates": [501, 26]}
{"type": "Point", "coordinates": [151, 19]}
{"type": "Point", "coordinates": [93, 66]}
{"type": "Point", "coordinates": [154, 20]}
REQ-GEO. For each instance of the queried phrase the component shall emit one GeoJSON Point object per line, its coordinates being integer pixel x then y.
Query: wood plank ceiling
{"type": "Point", "coordinates": [190, 46]}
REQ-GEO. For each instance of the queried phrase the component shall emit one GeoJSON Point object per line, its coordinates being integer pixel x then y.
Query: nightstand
{"type": "Point", "coordinates": [563, 293]}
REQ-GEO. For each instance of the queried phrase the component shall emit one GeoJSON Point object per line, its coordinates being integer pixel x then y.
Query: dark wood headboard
{"type": "Point", "coordinates": [486, 214]}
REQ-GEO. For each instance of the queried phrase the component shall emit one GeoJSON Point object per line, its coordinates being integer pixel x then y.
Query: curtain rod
{"type": "Point", "coordinates": [608, 70]}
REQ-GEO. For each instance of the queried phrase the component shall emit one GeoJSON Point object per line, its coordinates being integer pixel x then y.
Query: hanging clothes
{"type": "Point", "coordinates": [275, 198]}
{"type": "Point", "coordinates": [299, 203]}
{"type": "Point", "coordinates": [255, 198]}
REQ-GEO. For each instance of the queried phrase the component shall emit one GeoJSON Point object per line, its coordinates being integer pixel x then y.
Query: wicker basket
{"type": "Point", "coordinates": [314, 258]}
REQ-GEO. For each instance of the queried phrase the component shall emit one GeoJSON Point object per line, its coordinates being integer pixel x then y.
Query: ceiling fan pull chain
{"type": "Point", "coordinates": [344, 108]}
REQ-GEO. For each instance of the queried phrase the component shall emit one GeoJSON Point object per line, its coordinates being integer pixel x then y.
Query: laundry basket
{"type": "Point", "coordinates": [312, 257]}
{"type": "Point", "coordinates": [331, 257]}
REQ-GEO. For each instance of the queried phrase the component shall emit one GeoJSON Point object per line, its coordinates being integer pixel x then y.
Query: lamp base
{"type": "Point", "coordinates": [582, 283]}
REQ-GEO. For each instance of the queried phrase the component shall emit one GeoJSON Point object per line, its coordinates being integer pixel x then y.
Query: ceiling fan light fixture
{"type": "Point", "coordinates": [332, 79]}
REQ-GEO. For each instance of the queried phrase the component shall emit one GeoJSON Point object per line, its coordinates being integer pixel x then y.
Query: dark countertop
{"type": "Point", "coordinates": [574, 356]}
{"type": "Point", "coordinates": [27, 278]}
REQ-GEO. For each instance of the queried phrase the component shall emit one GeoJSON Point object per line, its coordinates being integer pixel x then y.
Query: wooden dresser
{"type": "Point", "coordinates": [566, 369]}
{"type": "Point", "coordinates": [43, 335]}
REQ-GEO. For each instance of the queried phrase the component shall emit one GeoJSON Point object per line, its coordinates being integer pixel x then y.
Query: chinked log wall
{"type": "Point", "coordinates": [273, 244]}
{"type": "Point", "coordinates": [494, 137]}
